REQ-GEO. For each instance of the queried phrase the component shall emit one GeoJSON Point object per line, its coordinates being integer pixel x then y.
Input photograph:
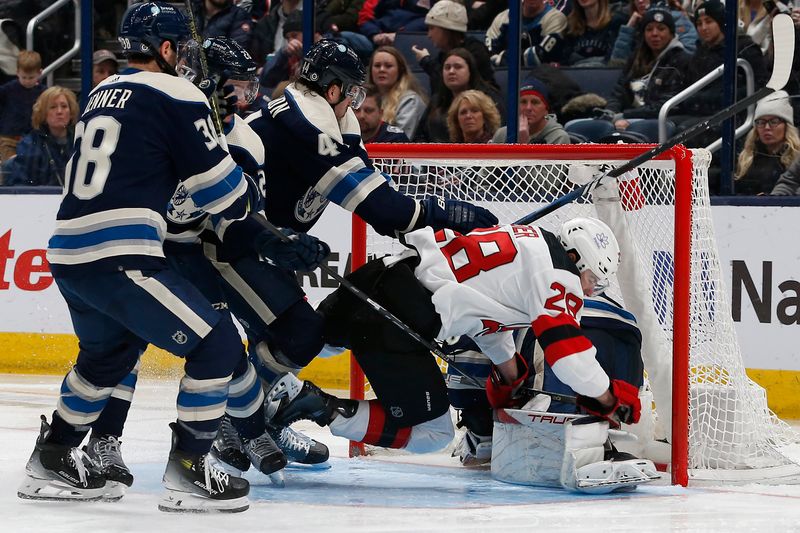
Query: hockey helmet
{"type": "Point", "coordinates": [594, 246]}
{"type": "Point", "coordinates": [328, 62]}
{"type": "Point", "coordinates": [226, 60]}
{"type": "Point", "coordinates": [148, 24]}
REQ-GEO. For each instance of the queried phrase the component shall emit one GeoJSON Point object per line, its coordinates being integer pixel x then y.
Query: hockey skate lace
{"type": "Point", "coordinates": [219, 477]}
{"type": "Point", "coordinates": [75, 460]}
{"type": "Point", "coordinates": [294, 441]}
{"type": "Point", "coordinates": [230, 437]}
{"type": "Point", "coordinates": [109, 453]}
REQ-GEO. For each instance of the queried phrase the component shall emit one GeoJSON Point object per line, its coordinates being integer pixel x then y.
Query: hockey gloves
{"type": "Point", "coordinates": [626, 409]}
{"type": "Point", "coordinates": [502, 394]}
{"type": "Point", "coordinates": [301, 252]}
{"type": "Point", "coordinates": [459, 216]}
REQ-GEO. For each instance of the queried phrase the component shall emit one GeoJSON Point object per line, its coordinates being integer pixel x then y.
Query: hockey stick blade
{"type": "Point", "coordinates": [783, 36]}
{"type": "Point", "coordinates": [557, 397]}
{"type": "Point", "coordinates": [385, 313]}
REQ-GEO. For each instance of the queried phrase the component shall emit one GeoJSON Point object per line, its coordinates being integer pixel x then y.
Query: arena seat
{"type": "Point", "coordinates": [403, 41]}
{"type": "Point", "coordinates": [594, 80]}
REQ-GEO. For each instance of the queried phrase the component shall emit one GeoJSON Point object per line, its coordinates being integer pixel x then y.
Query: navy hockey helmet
{"type": "Point", "coordinates": [329, 62]}
{"type": "Point", "coordinates": [148, 24]}
{"type": "Point", "coordinates": [226, 60]}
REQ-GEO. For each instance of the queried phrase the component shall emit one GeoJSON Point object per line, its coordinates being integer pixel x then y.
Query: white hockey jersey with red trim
{"type": "Point", "coordinates": [492, 281]}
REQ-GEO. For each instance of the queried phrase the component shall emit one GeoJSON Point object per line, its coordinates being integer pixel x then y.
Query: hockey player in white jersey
{"type": "Point", "coordinates": [484, 285]}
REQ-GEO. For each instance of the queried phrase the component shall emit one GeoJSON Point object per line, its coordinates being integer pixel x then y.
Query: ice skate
{"type": "Point", "coordinates": [474, 449]}
{"type": "Point", "coordinates": [229, 449]}
{"type": "Point", "coordinates": [297, 447]}
{"type": "Point", "coordinates": [193, 484]}
{"type": "Point", "coordinates": [105, 453]}
{"type": "Point", "coordinates": [291, 399]}
{"type": "Point", "coordinates": [58, 472]}
{"type": "Point", "coordinates": [264, 454]}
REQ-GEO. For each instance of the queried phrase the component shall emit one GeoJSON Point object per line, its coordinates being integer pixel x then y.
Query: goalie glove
{"type": "Point", "coordinates": [302, 252]}
{"type": "Point", "coordinates": [626, 408]}
{"type": "Point", "coordinates": [501, 394]}
{"type": "Point", "coordinates": [459, 216]}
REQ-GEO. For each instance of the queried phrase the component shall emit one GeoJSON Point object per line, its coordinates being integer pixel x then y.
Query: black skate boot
{"type": "Point", "coordinates": [228, 448]}
{"type": "Point", "coordinates": [58, 472]}
{"type": "Point", "coordinates": [297, 447]}
{"type": "Point", "coordinates": [291, 399]}
{"type": "Point", "coordinates": [105, 453]}
{"type": "Point", "coordinates": [265, 454]}
{"type": "Point", "coordinates": [193, 484]}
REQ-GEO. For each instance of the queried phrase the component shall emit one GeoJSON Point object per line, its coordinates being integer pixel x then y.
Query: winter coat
{"type": "Point", "coordinates": [549, 21]}
{"type": "Point", "coordinates": [789, 182]}
{"type": "Point", "coordinates": [627, 38]}
{"type": "Point", "coordinates": [552, 133]}
{"type": "Point", "coordinates": [433, 66]}
{"type": "Point", "coordinates": [265, 32]}
{"type": "Point", "coordinates": [16, 107]}
{"type": "Point", "coordinates": [342, 13]}
{"type": "Point", "coordinates": [232, 22]}
{"type": "Point", "coordinates": [386, 16]}
{"type": "Point", "coordinates": [705, 59]}
{"type": "Point", "coordinates": [410, 109]}
{"type": "Point", "coordinates": [763, 174]}
{"type": "Point", "coordinates": [666, 79]}
{"type": "Point", "coordinates": [387, 133]}
{"type": "Point", "coordinates": [40, 159]}
{"type": "Point", "coordinates": [594, 46]}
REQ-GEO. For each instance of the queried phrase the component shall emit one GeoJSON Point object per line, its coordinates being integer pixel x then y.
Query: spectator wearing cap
{"type": "Point", "coordinates": [770, 147]}
{"type": "Point", "coordinates": [536, 124]}
{"type": "Point", "coordinates": [370, 117]}
{"type": "Point", "coordinates": [654, 74]}
{"type": "Point", "coordinates": [221, 18]}
{"type": "Point", "coordinates": [628, 34]}
{"type": "Point", "coordinates": [380, 20]}
{"type": "Point", "coordinates": [286, 61]}
{"type": "Point", "coordinates": [539, 19]}
{"type": "Point", "coordinates": [104, 64]}
{"type": "Point", "coordinates": [447, 26]}
{"type": "Point", "coordinates": [17, 98]}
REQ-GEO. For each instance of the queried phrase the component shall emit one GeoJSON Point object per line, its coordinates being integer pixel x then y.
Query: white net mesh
{"type": "Point", "coordinates": [732, 433]}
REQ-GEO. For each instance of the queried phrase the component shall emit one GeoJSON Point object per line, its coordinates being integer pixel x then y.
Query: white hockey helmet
{"type": "Point", "coordinates": [595, 248]}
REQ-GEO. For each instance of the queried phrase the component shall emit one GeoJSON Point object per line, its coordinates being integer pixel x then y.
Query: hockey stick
{"type": "Point", "coordinates": [783, 38]}
{"type": "Point", "coordinates": [204, 66]}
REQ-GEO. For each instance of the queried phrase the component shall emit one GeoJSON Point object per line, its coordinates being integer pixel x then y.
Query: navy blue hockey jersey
{"type": "Point", "coordinates": [313, 158]}
{"type": "Point", "coordinates": [141, 134]}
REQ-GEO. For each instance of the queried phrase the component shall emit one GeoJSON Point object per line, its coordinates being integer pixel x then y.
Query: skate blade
{"type": "Point", "coordinates": [114, 491]}
{"type": "Point", "coordinates": [185, 502]}
{"type": "Point", "coordinates": [278, 478]}
{"type": "Point", "coordinates": [51, 490]}
{"type": "Point", "coordinates": [325, 465]}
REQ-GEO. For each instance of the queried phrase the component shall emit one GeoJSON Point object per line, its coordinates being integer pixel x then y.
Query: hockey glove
{"type": "Point", "coordinates": [459, 216]}
{"type": "Point", "coordinates": [207, 86]}
{"type": "Point", "coordinates": [302, 252]}
{"type": "Point", "coordinates": [501, 394]}
{"type": "Point", "coordinates": [626, 409]}
{"type": "Point", "coordinates": [227, 100]}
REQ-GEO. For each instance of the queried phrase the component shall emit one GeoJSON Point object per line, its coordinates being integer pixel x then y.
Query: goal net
{"type": "Point", "coordinates": [715, 418]}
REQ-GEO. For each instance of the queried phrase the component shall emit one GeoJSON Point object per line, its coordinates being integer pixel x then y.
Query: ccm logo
{"type": "Point", "coordinates": [548, 419]}
{"type": "Point", "coordinates": [31, 271]}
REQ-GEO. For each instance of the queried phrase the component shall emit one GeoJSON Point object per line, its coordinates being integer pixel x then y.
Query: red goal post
{"type": "Point", "coordinates": [661, 216]}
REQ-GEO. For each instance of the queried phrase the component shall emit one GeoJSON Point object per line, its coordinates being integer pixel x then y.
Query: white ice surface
{"type": "Point", "coordinates": [393, 493]}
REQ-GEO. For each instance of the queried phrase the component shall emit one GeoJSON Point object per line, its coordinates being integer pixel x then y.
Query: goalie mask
{"type": "Point", "coordinates": [594, 246]}
{"type": "Point", "coordinates": [330, 62]}
{"type": "Point", "coordinates": [226, 59]}
{"type": "Point", "coordinates": [148, 24]}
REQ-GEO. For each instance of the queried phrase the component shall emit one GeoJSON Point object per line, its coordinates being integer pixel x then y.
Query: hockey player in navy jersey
{"type": "Point", "coordinates": [142, 133]}
{"type": "Point", "coordinates": [447, 285]}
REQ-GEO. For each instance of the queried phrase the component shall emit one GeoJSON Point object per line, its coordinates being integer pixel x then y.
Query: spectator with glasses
{"type": "Point", "coordinates": [769, 148]}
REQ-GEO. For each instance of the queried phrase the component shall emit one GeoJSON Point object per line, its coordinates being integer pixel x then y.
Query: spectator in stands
{"type": "Point", "coordinates": [472, 118]}
{"type": "Point", "coordinates": [789, 182]}
{"type": "Point", "coordinates": [757, 21]}
{"type": "Point", "coordinates": [380, 20]}
{"type": "Point", "coordinates": [268, 32]}
{"type": "Point", "coordinates": [42, 154]}
{"type": "Point", "coordinates": [460, 74]}
{"type": "Point", "coordinates": [628, 34]}
{"type": "Point", "coordinates": [16, 102]}
{"type": "Point", "coordinates": [654, 74]}
{"type": "Point", "coordinates": [285, 63]}
{"type": "Point", "coordinates": [769, 148]}
{"type": "Point", "coordinates": [447, 26]}
{"type": "Point", "coordinates": [540, 23]}
{"type": "Point", "coordinates": [374, 128]}
{"type": "Point", "coordinates": [338, 19]}
{"type": "Point", "coordinates": [592, 30]}
{"type": "Point", "coordinates": [480, 13]}
{"type": "Point", "coordinates": [221, 18]}
{"type": "Point", "coordinates": [104, 64]}
{"type": "Point", "coordinates": [403, 98]}
{"type": "Point", "coordinates": [9, 51]}
{"type": "Point", "coordinates": [536, 124]}
{"type": "Point", "coordinates": [710, 23]}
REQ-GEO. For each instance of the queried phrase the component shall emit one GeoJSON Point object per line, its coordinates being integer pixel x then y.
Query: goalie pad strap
{"type": "Point", "coordinates": [379, 433]}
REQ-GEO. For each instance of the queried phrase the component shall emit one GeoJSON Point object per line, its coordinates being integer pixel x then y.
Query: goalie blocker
{"type": "Point", "coordinates": [561, 450]}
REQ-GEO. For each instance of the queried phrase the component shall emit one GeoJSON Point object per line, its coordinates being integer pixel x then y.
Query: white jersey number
{"type": "Point", "coordinates": [94, 160]}
{"type": "Point", "coordinates": [326, 146]}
